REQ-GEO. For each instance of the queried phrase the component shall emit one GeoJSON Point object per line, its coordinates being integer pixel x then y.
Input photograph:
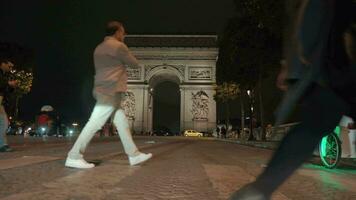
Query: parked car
{"type": "Point", "coordinates": [192, 133]}
{"type": "Point", "coordinates": [163, 131]}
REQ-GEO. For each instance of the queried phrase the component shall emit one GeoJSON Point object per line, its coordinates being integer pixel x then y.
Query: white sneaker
{"type": "Point", "coordinates": [78, 163]}
{"type": "Point", "coordinates": [142, 157]}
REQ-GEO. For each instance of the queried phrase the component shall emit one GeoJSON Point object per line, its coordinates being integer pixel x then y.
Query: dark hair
{"type": "Point", "coordinates": [4, 60]}
{"type": "Point", "coordinates": [112, 27]}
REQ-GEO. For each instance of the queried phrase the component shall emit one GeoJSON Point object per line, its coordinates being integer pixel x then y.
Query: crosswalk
{"type": "Point", "coordinates": [90, 184]}
{"type": "Point", "coordinates": [25, 160]}
{"type": "Point", "coordinates": [227, 178]}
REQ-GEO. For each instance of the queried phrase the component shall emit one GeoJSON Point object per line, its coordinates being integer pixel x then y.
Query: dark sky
{"type": "Point", "coordinates": [63, 34]}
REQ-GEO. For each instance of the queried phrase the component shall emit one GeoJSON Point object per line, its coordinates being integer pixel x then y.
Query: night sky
{"type": "Point", "coordinates": [62, 34]}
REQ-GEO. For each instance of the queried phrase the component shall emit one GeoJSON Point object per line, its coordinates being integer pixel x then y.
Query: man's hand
{"type": "Point", "coordinates": [282, 77]}
{"type": "Point", "coordinates": [12, 83]}
{"type": "Point", "coordinates": [302, 57]}
{"type": "Point", "coordinates": [304, 61]}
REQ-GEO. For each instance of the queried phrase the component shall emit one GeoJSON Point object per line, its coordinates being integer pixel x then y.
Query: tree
{"type": "Point", "coordinates": [226, 92]}
{"type": "Point", "coordinates": [24, 85]}
{"type": "Point", "coordinates": [23, 59]}
{"type": "Point", "coordinates": [266, 43]}
{"type": "Point", "coordinates": [250, 45]}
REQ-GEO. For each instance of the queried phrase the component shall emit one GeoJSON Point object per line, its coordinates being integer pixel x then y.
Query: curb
{"type": "Point", "coordinates": [272, 145]}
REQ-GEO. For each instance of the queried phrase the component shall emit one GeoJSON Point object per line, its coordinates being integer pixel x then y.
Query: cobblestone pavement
{"type": "Point", "coordinates": [182, 168]}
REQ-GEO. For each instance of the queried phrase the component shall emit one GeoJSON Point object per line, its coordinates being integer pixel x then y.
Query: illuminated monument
{"type": "Point", "coordinates": [188, 61]}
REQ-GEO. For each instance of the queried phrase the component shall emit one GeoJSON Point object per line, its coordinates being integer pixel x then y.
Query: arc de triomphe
{"type": "Point", "coordinates": [189, 61]}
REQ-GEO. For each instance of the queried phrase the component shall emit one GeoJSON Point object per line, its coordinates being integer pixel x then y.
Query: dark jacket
{"type": "Point", "coordinates": [313, 26]}
{"type": "Point", "coordinates": [340, 73]}
{"type": "Point", "coordinates": [320, 25]}
{"type": "Point", "coordinates": [5, 89]}
{"type": "Point", "coordinates": [318, 38]}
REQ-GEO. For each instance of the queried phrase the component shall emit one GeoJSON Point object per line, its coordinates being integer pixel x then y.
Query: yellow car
{"type": "Point", "coordinates": [192, 133]}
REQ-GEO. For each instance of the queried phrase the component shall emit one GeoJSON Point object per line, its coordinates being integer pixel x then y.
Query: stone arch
{"type": "Point", "coordinates": [155, 77]}
{"type": "Point", "coordinates": [163, 73]}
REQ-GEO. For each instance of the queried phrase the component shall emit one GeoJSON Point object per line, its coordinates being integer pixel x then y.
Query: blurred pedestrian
{"type": "Point", "coordinates": [111, 58]}
{"type": "Point", "coordinates": [223, 132]}
{"type": "Point", "coordinates": [321, 63]}
{"type": "Point", "coordinates": [6, 86]}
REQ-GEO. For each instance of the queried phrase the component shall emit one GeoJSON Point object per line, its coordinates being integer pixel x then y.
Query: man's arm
{"type": "Point", "coordinates": [282, 76]}
{"type": "Point", "coordinates": [3, 84]}
{"type": "Point", "coordinates": [6, 86]}
{"type": "Point", "coordinates": [126, 56]}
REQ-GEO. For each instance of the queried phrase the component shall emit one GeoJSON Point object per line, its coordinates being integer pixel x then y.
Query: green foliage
{"type": "Point", "coordinates": [250, 45]}
{"type": "Point", "coordinates": [268, 14]}
{"type": "Point", "coordinates": [24, 61]}
{"type": "Point", "coordinates": [24, 82]}
{"type": "Point", "coordinates": [226, 91]}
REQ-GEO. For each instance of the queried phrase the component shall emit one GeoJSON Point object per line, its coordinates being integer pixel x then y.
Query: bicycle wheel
{"type": "Point", "coordinates": [330, 150]}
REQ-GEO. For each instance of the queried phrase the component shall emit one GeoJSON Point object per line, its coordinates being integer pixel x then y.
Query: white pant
{"type": "Point", "coordinates": [103, 109]}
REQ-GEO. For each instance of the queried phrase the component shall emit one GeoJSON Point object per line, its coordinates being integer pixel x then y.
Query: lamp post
{"type": "Point", "coordinates": [250, 95]}
{"type": "Point", "coordinates": [150, 111]}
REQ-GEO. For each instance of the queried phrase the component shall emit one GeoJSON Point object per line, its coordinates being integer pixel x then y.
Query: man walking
{"type": "Point", "coordinates": [5, 86]}
{"type": "Point", "coordinates": [321, 56]}
{"type": "Point", "coordinates": [111, 57]}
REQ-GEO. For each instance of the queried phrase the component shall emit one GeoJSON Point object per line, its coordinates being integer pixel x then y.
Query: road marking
{"type": "Point", "coordinates": [97, 183]}
{"type": "Point", "coordinates": [335, 178]}
{"type": "Point", "coordinates": [25, 160]}
{"type": "Point", "coordinates": [226, 179]}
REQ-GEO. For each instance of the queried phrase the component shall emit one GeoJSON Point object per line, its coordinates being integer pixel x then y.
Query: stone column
{"type": "Point", "coordinates": [150, 111]}
{"type": "Point", "coordinates": [145, 110]}
{"type": "Point", "coordinates": [182, 108]}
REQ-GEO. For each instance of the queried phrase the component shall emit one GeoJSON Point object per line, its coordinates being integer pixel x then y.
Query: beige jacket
{"type": "Point", "coordinates": [111, 58]}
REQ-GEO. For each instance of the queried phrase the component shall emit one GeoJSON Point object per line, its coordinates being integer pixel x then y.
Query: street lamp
{"type": "Point", "coordinates": [250, 95]}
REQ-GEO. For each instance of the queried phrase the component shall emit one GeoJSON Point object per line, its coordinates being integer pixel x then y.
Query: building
{"type": "Point", "coordinates": [186, 65]}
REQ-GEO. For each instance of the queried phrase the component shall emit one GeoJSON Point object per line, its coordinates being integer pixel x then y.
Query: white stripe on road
{"type": "Point", "coordinates": [25, 160]}
{"type": "Point", "coordinates": [226, 179]}
{"type": "Point", "coordinates": [91, 184]}
{"type": "Point", "coordinates": [29, 160]}
{"type": "Point", "coordinates": [335, 178]}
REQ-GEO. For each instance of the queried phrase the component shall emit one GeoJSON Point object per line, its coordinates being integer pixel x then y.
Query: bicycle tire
{"type": "Point", "coordinates": [330, 150]}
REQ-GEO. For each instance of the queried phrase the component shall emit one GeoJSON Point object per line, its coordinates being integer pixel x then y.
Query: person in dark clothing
{"type": "Point", "coordinates": [319, 35]}
{"type": "Point", "coordinates": [223, 132]}
{"type": "Point", "coordinates": [6, 86]}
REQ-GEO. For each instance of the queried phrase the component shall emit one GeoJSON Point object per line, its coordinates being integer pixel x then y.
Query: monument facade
{"type": "Point", "coordinates": [189, 61]}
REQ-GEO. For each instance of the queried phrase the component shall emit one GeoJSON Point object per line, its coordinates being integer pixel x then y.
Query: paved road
{"type": "Point", "coordinates": [182, 168]}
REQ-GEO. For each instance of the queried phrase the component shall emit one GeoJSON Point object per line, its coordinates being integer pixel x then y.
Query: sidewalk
{"type": "Point", "coordinates": [260, 144]}
{"type": "Point", "coordinates": [273, 145]}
